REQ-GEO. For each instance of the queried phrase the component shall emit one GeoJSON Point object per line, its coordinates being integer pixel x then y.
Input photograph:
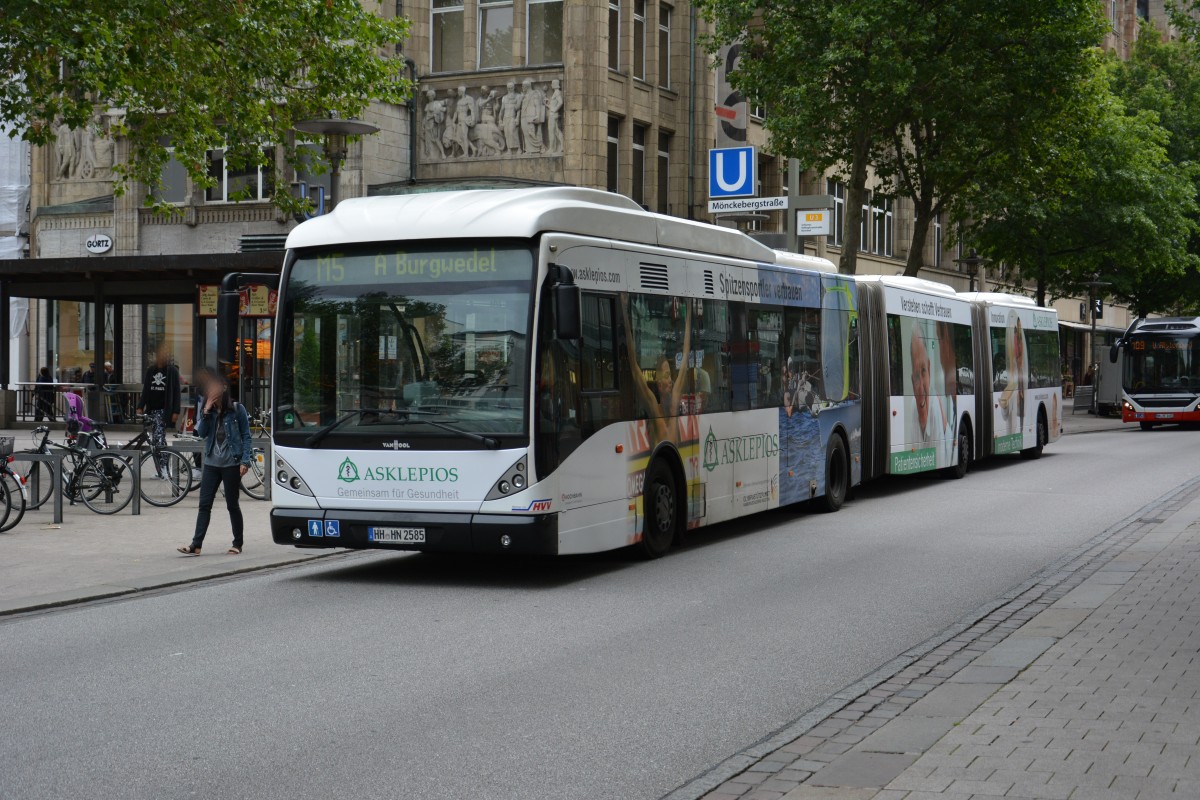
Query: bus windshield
{"type": "Point", "coordinates": [427, 344]}
{"type": "Point", "coordinates": [1162, 364]}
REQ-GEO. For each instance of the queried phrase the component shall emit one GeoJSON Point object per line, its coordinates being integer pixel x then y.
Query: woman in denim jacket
{"type": "Point", "coordinates": [225, 428]}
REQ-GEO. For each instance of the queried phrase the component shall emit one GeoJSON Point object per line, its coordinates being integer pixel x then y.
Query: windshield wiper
{"type": "Point", "coordinates": [315, 438]}
{"type": "Point", "coordinates": [489, 442]}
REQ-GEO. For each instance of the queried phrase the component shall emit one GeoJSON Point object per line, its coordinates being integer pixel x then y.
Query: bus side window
{"type": "Point", "coordinates": [896, 355]}
{"type": "Point", "coordinates": [600, 378]}
{"type": "Point", "coordinates": [710, 338]}
{"type": "Point", "coordinates": [965, 356]}
{"type": "Point", "coordinates": [999, 360]}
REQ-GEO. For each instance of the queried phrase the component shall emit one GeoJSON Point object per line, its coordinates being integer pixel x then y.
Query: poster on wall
{"type": "Point", "coordinates": [258, 300]}
{"type": "Point", "coordinates": [208, 300]}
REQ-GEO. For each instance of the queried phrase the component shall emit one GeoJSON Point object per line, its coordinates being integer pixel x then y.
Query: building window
{"type": "Point", "coordinates": [881, 225]}
{"type": "Point", "coordinates": [174, 181]}
{"type": "Point", "coordinates": [864, 225]}
{"type": "Point", "coordinates": [250, 182]}
{"type": "Point", "coordinates": [1143, 9]}
{"type": "Point", "coordinates": [888, 227]}
{"type": "Point", "coordinates": [664, 173]}
{"type": "Point", "coordinates": [614, 141]}
{"type": "Point", "coordinates": [614, 34]}
{"type": "Point", "coordinates": [664, 45]}
{"type": "Point", "coordinates": [545, 32]}
{"type": "Point", "coordinates": [639, 39]}
{"type": "Point", "coordinates": [495, 34]}
{"type": "Point", "coordinates": [838, 191]}
{"type": "Point", "coordinates": [639, 165]}
{"type": "Point", "coordinates": [447, 26]}
{"type": "Point", "coordinates": [937, 241]}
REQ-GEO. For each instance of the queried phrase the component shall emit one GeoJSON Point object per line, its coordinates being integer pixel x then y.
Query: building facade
{"type": "Point", "coordinates": [608, 94]}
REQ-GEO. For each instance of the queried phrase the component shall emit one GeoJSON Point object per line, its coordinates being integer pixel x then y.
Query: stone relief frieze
{"type": "Point", "coordinates": [82, 154]}
{"type": "Point", "coordinates": [466, 123]}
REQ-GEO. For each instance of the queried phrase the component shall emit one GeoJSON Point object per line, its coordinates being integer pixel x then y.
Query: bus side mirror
{"type": "Point", "coordinates": [1114, 352]}
{"type": "Point", "coordinates": [568, 324]}
{"type": "Point", "coordinates": [228, 316]}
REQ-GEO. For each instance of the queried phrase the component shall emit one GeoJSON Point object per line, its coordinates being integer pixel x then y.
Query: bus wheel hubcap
{"type": "Point", "coordinates": [663, 508]}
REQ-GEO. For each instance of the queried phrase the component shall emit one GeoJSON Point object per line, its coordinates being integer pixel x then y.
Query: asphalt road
{"type": "Point", "coordinates": [602, 677]}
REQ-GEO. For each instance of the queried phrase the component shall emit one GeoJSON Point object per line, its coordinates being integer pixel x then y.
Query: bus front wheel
{"type": "Point", "coordinates": [837, 475]}
{"type": "Point", "coordinates": [1146, 426]}
{"type": "Point", "coordinates": [660, 503]}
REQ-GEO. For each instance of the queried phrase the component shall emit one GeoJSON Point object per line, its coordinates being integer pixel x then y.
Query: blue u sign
{"type": "Point", "coordinates": [731, 172]}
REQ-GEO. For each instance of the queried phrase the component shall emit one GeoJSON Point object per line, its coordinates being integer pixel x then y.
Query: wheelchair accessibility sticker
{"type": "Point", "coordinates": [315, 528]}
{"type": "Point", "coordinates": [333, 528]}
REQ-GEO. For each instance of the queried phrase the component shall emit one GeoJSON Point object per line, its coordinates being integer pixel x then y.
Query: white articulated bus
{"type": "Point", "coordinates": [555, 370]}
{"type": "Point", "coordinates": [550, 371]}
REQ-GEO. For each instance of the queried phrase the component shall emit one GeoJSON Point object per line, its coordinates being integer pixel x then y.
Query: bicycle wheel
{"type": "Point", "coordinates": [15, 501]}
{"type": "Point", "coordinates": [105, 484]}
{"type": "Point", "coordinates": [254, 482]}
{"type": "Point", "coordinates": [165, 478]}
{"type": "Point", "coordinates": [39, 472]}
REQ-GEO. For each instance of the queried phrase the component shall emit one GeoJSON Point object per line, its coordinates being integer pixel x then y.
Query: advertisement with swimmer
{"type": "Point", "coordinates": [1026, 377]}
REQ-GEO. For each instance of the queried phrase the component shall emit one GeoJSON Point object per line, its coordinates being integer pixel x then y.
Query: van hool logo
{"type": "Point", "coordinates": [348, 472]}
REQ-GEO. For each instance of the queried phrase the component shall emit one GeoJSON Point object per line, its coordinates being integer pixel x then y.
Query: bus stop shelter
{"type": "Point", "coordinates": [112, 279]}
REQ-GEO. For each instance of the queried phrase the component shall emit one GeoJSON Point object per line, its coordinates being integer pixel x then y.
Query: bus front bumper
{"type": "Point", "coordinates": [441, 531]}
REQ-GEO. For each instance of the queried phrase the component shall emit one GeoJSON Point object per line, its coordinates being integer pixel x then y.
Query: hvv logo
{"type": "Point", "coordinates": [732, 172]}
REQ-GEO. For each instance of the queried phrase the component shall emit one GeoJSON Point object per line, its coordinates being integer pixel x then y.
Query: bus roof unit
{"type": "Point", "coordinates": [999, 298]}
{"type": "Point", "coordinates": [517, 213]}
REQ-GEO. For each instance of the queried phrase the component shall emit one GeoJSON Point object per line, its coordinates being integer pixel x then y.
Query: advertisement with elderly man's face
{"type": "Point", "coordinates": [932, 383]}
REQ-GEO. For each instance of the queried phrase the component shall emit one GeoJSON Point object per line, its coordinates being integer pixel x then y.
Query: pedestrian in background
{"type": "Point", "coordinates": [43, 396]}
{"type": "Point", "coordinates": [224, 426]}
{"type": "Point", "coordinates": [160, 395]}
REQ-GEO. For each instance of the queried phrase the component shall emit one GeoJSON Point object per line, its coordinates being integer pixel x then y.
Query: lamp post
{"type": "Point", "coordinates": [335, 130]}
{"type": "Point", "coordinates": [973, 261]}
{"type": "Point", "coordinates": [1094, 286]}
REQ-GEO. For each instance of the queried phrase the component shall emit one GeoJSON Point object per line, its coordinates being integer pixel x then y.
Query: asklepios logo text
{"type": "Point", "coordinates": [349, 472]}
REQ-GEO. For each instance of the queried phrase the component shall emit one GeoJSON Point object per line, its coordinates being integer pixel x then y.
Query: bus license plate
{"type": "Point", "coordinates": [397, 535]}
{"type": "Point", "coordinates": [1164, 416]}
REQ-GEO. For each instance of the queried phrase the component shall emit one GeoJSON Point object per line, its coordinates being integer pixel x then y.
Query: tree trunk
{"type": "Point", "coordinates": [923, 210]}
{"type": "Point", "coordinates": [855, 192]}
{"type": "Point", "coordinates": [1041, 286]}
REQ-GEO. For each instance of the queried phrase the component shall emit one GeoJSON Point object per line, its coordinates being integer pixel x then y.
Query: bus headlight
{"type": "Point", "coordinates": [286, 477]}
{"type": "Point", "coordinates": [512, 479]}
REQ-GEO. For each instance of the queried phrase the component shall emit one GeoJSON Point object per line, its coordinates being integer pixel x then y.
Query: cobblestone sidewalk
{"type": "Point", "coordinates": [1078, 684]}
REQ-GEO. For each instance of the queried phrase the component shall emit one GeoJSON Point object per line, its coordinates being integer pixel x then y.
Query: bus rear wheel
{"type": "Point", "coordinates": [1035, 452]}
{"type": "Point", "coordinates": [960, 469]}
{"type": "Point", "coordinates": [660, 504]}
{"type": "Point", "coordinates": [837, 475]}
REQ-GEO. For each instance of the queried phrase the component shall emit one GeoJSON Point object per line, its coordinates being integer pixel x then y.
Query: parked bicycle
{"type": "Point", "coordinates": [166, 473]}
{"type": "Point", "coordinates": [99, 480]}
{"type": "Point", "coordinates": [13, 493]}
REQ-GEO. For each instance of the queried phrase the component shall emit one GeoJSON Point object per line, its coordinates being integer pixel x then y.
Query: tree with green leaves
{"type": "Point", "coordinates": [192, 75]}
{"type": "Point", "coordinates": [1108, 201]}
{"type": "Point", "coordinates": [925, 94]}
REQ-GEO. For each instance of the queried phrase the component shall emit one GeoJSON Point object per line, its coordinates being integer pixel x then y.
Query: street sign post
{"type": "Point", "coordinates": [813, 222]}
{"type": "Point", "coordinates": [732, 172]}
